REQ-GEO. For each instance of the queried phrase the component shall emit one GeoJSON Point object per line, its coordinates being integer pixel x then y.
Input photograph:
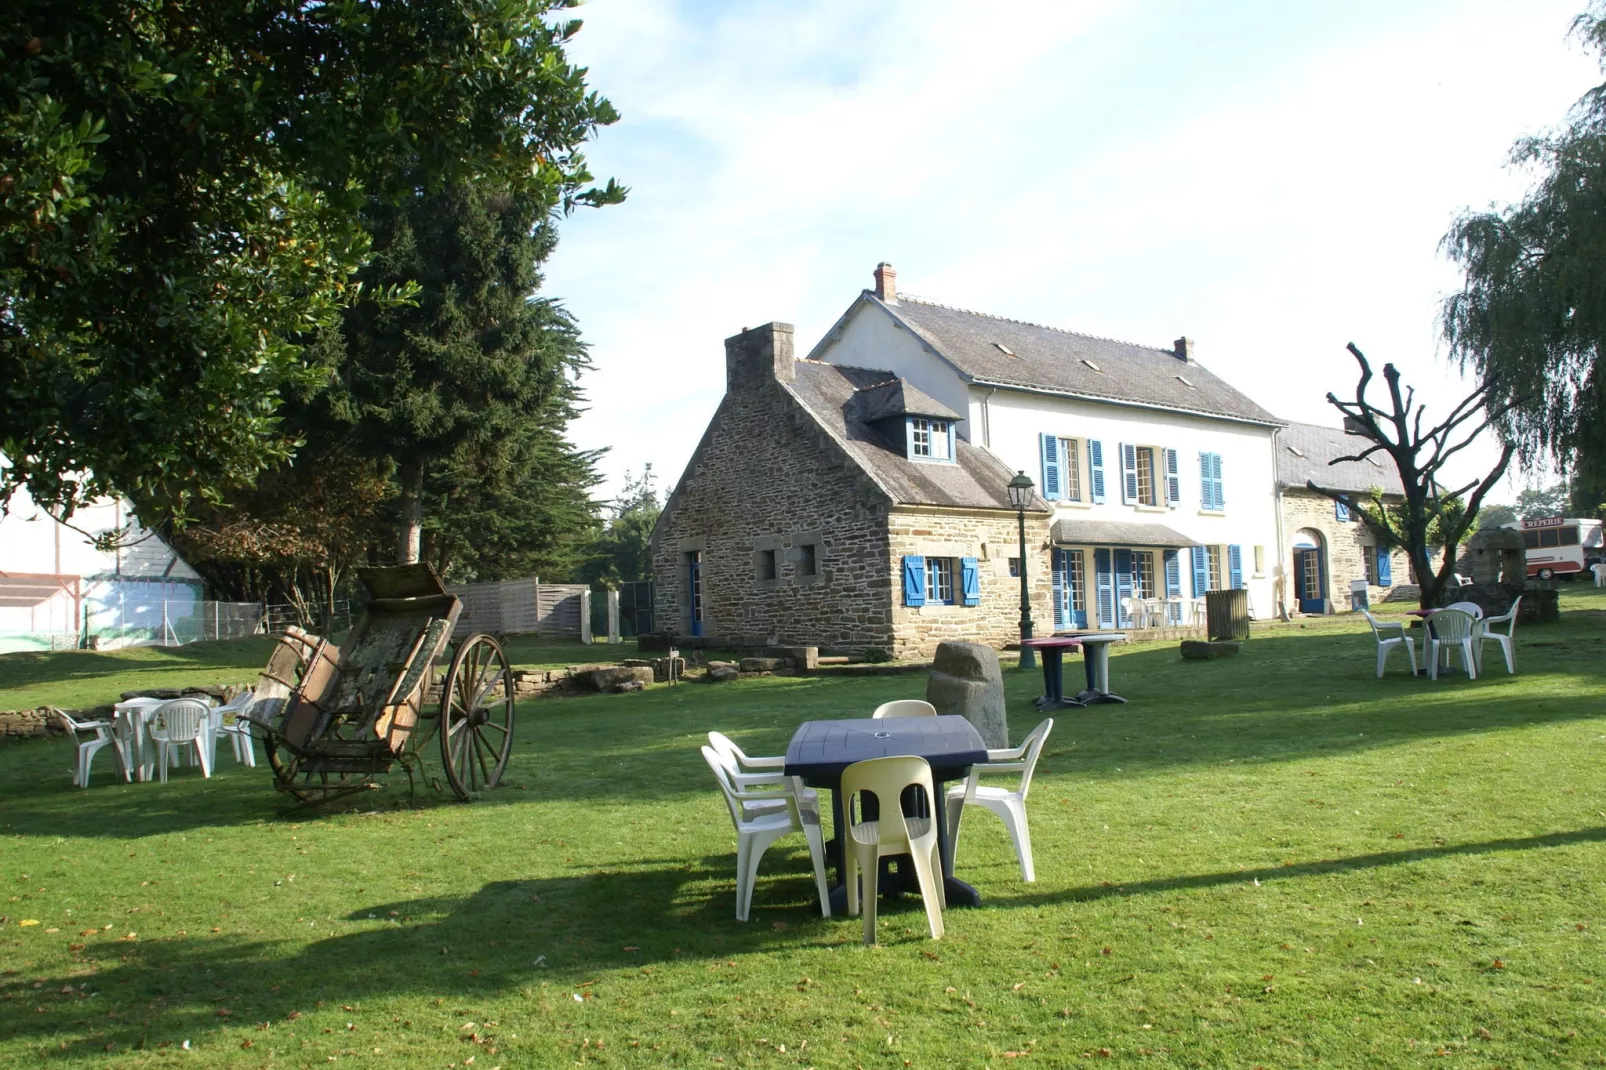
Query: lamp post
{"type": "Point", "coordinates": [1020, 496]}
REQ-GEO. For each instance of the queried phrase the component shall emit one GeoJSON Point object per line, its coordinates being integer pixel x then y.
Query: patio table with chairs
{"type": "Point", "coordinates": [1460, 628]}
{"type": "Point", "coordinates": [146, 733]}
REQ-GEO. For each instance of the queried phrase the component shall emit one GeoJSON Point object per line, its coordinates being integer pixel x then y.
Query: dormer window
{"type": "Point", "coordinates": [930, 440]}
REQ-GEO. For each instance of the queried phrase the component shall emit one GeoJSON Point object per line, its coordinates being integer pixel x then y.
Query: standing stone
{"type": "Point", "coordinates": [965, 679]}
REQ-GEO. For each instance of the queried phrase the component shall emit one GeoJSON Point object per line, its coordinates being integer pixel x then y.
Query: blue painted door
{"type": "Point", "coordinates": [1308, 580]}
{"type": "Point", "coordinates": [694, 590]}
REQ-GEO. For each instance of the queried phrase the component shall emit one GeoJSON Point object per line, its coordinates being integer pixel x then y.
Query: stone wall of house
{"type": "Point", "coordinates": [992, 538]}
{"type": "Point", "coordinates": [1346, 543]}
{"type": "Point", "coordinates": [767, 477]}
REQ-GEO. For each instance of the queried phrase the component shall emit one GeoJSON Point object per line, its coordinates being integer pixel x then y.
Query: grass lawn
{"type": "Point", "coordinates": [1271, 861]}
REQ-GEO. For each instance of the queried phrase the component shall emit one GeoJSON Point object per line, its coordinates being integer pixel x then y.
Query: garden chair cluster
{"type": "Point", "coordinates": [177, 728]}
{"type": "Point", "coordinates": [1460, 629]}
{"type": "Point", "coordinates": [765, 805]}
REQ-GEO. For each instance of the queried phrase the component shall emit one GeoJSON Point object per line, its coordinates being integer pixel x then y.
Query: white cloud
{"type": "Point", "coordinates": [1273, 189]}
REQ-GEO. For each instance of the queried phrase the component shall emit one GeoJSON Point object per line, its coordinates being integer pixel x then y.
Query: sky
{"type": "Point", "coordinates": [1270, 179]}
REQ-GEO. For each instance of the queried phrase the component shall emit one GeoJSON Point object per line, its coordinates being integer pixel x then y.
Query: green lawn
{"type": "Point", "coordinates": [1276, 860]}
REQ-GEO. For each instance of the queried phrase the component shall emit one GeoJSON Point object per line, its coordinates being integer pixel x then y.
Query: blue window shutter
{"type": "Point", "coordinates": [1385, 568]}
{"type": "Point", "coordinates": [1060, 585]}
{"type": "Point", "coordinates": [1123, 584]}
{"type": "Point", "coordinates": [914, 580]}
{"type": "Point", "coordinates": [970, 580]}
{"type": "Point", "coordinates": [1215, 477]}
{"type": "Point", "coordinates": [1129, 473]}
{"type": "Point", "coordinates": [1095, 469]}
{"type": "Point", "coordinates": [1201, 571]}
{"type": "Point", "coordinates": [1173, 584]}
{"type": "Point", "coordinates": [1235, 567]}
{"type": "Point", "coordinates": [1207, 496]}
{"type": "Point", "coordinates": [1104, 581]}
{"type": "Point", "coordinates": [1173, 480]}
{"type": "Point", "coordinates": [1341, 511]}
{"type": "Point", "coordinates": [1049, 445]}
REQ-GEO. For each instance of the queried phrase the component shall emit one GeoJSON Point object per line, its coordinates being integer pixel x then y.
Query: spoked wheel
{"type": "Point", "coordinates": [307, 786]}
{"type": "Point", "coordinates": [476, 718]}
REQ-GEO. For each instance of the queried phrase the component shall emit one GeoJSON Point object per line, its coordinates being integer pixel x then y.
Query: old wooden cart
{"type": "Point", "coordinates": [333, 718]}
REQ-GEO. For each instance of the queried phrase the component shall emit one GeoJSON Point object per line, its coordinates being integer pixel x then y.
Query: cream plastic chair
{"type": "Point", "coordinates": [239, 733]}
{"type": "Point", "coordinates": [905, 707]}
{"type": "Point", "coordinates": [1387, 642]}
{"type": "Point", "coordinates": [1484, 633]}
{"type": "Point", "coordinates": [756, 828]}
{"type": "Point", "coordinates": [807, 798]}
{"type": "Point", "coordinates": [87, 748]}
{"type": "Point", "coordinates": [1451, 629]}
{"type": "Point", "coordinates": [892, 833]}
{"type": "Point", "coordinates": [1010, 806]}
{"type": "Point", "coordinates": [181, 723]}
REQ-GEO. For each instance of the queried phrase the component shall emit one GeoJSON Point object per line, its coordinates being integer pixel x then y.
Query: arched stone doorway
{"type": "Point", "coordinates": [1310, 571]}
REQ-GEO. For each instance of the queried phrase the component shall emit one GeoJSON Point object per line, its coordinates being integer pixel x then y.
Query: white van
{"type": "Point", "coordinates": [1560, 546]}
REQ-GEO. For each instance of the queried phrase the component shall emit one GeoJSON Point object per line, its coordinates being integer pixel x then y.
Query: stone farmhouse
{"type": "Point", "coordinates": [856, 497]}
{"type": "Point", "coordinates": [1328, 546]}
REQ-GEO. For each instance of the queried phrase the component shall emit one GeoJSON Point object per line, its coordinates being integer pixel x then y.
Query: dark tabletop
{"type": "Point", "coordinates": [1052, 642]}
{"type": "Point", "coordinates": [820, 750]}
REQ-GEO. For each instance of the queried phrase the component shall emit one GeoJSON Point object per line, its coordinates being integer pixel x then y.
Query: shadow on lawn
{"type": "Point", "coordinates": [506, 936]}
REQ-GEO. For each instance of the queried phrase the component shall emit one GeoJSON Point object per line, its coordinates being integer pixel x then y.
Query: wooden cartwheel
{"type": "Point", "coordinates": [333, 718]}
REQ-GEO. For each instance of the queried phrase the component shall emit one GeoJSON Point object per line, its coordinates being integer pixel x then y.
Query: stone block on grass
{"type": "Point", "coordinates": [965, 679]}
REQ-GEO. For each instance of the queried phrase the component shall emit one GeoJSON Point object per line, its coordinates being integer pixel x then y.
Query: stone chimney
{"type": "Point", "coordinates": [758, 355]}
{"type": "Point", "coordinates": [886, 283]}
{"type": "Point", "coordinates": [1182, 349]}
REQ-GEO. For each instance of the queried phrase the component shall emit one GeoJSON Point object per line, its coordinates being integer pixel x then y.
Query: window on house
{"type": "Point", "coordinates": [808, 561]}
{"type": "Point", "coordinates": [1369, 555]}
{"type": "Point", "coordinates": [1143, 574]}
{"type": "Point", "coordinates": [1014, 567]}
{"type": "Point", "coordinates": [1260, 560]}
{"type": "Point", "coordinates": [1071, 469]}
{"type": "Point", "coordinates": [1147, 481]}
{"type": "Point", "coordinates": [1076, 571]}
{"type": "Point", "coordinates": [940, 581]}
{"type": "Point", "coordinates": [766, 564]}
{"type": "Point", "coordinates": [928, 438]}
{"type": "Point", "coordinates": [1217, 557]}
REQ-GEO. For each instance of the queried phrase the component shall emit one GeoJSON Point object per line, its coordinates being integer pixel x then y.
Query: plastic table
{"type": "Point", "coordinates": [1051, 650]}
{"type": "Point", "coordinates": [1096, 662]}
{"type": "Point", "coordinates": [820, 750]}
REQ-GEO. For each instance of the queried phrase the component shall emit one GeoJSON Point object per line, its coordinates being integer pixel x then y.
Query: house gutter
{"type": "Point", "coordinates": [1098, 399]}
{"type": "Point", "coordinates": [1280, 573]}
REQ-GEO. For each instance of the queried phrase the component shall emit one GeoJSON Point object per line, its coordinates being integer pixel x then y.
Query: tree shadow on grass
{"type": "Point", "coordinates": [464, 951]}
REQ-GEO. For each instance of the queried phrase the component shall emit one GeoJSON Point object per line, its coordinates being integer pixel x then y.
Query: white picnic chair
{"type": "Point", "coordinates": [1598, 570]}
{"type": "Point", "coordinates": [905, 707]}
{"type": "Point", "coordinates": [1387, 642]}
{"type": "Point", "coordinates": [180, 723]}
{"type": "Point", "coordinates": [238, 733]}
{"type": "Point", "coordinates": [1010, 806]}
{"type": "Point", "coordinates": [1451, 629]}
{"type": "Point", "coordinates": [807, 798]}
{"type": "Point", "coordinates": [891, 832]}
{"type": "Point", "coordinates": [1507, 640]}
{"type": "Point", "coordinates": [1471, 609]}
{"type": "Point", "coordinates": [777, 814]}
{"type": "Point", "coordinates": [100, 735]}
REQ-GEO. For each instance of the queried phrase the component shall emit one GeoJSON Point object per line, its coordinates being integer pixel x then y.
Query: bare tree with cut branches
{"type": "Point", "coordinates": [1431, 515]}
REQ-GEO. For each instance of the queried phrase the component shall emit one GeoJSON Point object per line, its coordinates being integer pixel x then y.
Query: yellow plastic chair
{"type": "Point", "coordinates": [905, 707]}
{"type": "Point", "coordinates": [892, 833]}
{"type": "Point", "coordinates": [777, 815]}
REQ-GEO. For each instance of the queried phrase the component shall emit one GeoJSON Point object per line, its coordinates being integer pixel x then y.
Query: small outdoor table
{"type": "Point", "coordinates": [128, 727]}
{"type": "Point", "coordinates": [1052, 651]}
{"type": "Point", "coordinates": [1096, 662]}
{"type": "Point", "coordinates": [820, 750]}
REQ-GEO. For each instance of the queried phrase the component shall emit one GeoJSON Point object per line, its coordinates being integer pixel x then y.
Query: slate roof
{"type": "Point", "coordinates": [1117, 533]}
{"type": "Point", "coordinates": [900, 398]}
{"type": "Point", "coordinates": [1050, 359]}
{"type": "Point", "coordinates": [1304, 450]}
{"type": "Point", "coordinates": [835, 396]}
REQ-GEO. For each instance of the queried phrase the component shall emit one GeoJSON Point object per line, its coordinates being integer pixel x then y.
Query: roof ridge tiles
{"type": "Point", "coordinates": [918, 300]}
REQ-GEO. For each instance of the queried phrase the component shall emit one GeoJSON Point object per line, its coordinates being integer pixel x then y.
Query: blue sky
{"type": "Point", "coordinates": [1270, 179]}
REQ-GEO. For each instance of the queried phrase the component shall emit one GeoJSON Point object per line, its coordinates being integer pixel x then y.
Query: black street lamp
{"type": "Point", "coordinates": [1020, 496]}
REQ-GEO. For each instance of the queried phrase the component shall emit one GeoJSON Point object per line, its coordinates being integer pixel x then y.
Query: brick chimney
{"type": "Point", "coordinates": [1182, 349]}
{"type": "Point", "coordinates": [757, 355]}
{"type": "Point", "coordinates": [886, 283]}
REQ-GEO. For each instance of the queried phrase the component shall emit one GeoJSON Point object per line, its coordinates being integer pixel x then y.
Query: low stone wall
{"type": "Point", "coordinates": [41, 723]}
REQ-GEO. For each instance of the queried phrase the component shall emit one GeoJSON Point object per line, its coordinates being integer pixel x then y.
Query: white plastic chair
{"type": "Point", "coordinates": [87, 748]}
{"type": "Point", "coordinates": [905, 707]}
{"type": "Point", "coordinates": [239, 732]}
{"type": "Point", "coordinates": [756, 828]}
{"type": "Point", "coordinates": [807, 798]}
{"type": "Point", "coordinates": [1386, 642]}
{"type": "Point", "coordinates": [1484, 633]}
{"type": "Point", "coordinates": [1598, 570]}
{"type": "Point", "coordinates": [1010, 806]}
{"type": "Point", "coordinates": [1471, 609]}
{"type": "Point", "coordinates": [892, 833]}
{"type": "Point", "coordinates": [1451, 629]}
{"type": "Point", "coordinates": [181, 723]}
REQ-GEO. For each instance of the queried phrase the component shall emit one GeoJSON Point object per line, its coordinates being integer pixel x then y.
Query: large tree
{"type": "Point", "coordinates": [182, 188]}
{"type": "Point", "coordinates": [1433, 514]}
{"type": "Point", "coordinates": [1531, 314]}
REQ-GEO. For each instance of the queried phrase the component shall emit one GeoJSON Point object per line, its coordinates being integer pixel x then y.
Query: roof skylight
{"type": "Point", "coordinates": [1005, 350]}
{"type": "Point", "coordinates": [1183, 379]}
{"type": "Point", "coordinates": [1090, 364]}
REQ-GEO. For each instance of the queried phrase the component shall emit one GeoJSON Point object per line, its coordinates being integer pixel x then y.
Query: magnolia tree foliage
{"type": "Point", "coordinates": [183, 185]}
{"type": "Point", "coordinates": [1432, 516]}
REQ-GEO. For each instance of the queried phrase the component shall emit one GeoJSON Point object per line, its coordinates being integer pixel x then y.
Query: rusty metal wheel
{"type": "Point", "coordinates": [476, 717]}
